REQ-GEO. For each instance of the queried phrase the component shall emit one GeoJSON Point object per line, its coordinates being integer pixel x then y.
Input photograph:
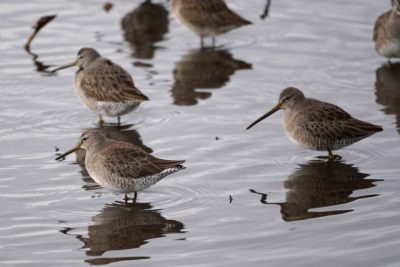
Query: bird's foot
{"type": "Point", "coordinates": [330, 157]}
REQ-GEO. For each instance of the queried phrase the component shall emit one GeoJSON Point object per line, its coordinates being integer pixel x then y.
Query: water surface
{"type": "Point", "coordinates": [246, 197]}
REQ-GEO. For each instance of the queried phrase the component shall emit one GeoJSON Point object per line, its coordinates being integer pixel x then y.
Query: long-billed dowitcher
{"type": "Point", "coordinates": [103, 86]}
{"type": "Point", "coordinates": [121, 167]}
{"type": "Point", "coordinates": [206, 17]}
{"type": "Point", "coordinates": [318, 125]}
{"type": "Point", "coordinates": [387, 32]}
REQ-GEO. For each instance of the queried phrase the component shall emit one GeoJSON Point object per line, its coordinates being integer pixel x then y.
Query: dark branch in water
{"type": "Point", "coordinates": [266, 10]}
{"type": "Point", "coordinates": [39, 25]}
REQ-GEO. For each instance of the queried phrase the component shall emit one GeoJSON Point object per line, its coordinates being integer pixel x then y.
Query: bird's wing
{"type": "Point", "coordinates": [107, 81]}
{"type": "Point", "coordinates": [206, 13]}
{"type": "Point", "coordinates": [380, 22]}
{"type": "Point", "coordinates": [328, 121]}
{"type": "Point", "coordinates": [127, 161]}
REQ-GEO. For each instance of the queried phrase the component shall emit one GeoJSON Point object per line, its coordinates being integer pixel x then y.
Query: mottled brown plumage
{"type": "Point", "coordinates": [206, 17]}
{"type": "Point", "coordinates": [318, 125]}
{"type": "Point", "coordinates": [120, 166]}
{"type": "Point", "coordinates": [103, 86]}
{"type": "Point", "coordinates": [387, 32]}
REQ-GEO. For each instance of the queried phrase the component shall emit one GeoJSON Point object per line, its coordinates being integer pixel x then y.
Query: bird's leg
{"type": "Point", "coordinates": [126, 198]}
{"type": "Point", "coordinates": [134, 197]}
{"type": "Point", "coordinates": [330, 156]}
{"type": "Point", "coordinates": [201, 42]}
{"type": "Point", "coordinates": [213, 42]}
{"type": "Point", "coordinates": [119, 121]}
{"type": "Point", "coordinates": [100, 120]}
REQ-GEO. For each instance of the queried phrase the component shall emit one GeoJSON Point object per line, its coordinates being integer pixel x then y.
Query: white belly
{"type": "Point", "coordinates": [389, 49]}
{"type": "Point", "coordinates": [108, 108]}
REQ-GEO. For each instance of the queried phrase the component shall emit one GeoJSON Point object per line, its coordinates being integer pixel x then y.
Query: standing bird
{"type": "Point", "coordinates": [387, 32]}
{"type": "Point", "coordinates": [121, 167]}
{"type": "Point", "coordinates": [318, 125]}
{"type": "Point", "coordinates": [206, 17]}
{"type": "Point", "coordinates": [103, 86]}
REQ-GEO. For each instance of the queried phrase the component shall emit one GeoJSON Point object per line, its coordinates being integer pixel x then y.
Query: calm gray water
{"type": "Point", "coordinates": [287, 210]}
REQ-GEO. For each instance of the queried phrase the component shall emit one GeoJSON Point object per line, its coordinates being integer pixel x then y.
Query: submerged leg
{"type": "Point", "coordinates": [213, 41]}
{"type": "Point", "coordinates": [134, 197]}
{"type": "Point", "coordinates": [100, 120]}
{"type": "Point", "coordinates": [119, 120]}
{"type": "Point", "coordinates": [201, 42]}
{"type": "Point", "coordinates": [126, 198]}
{"type": "Point", "coordinates": [330, 156]}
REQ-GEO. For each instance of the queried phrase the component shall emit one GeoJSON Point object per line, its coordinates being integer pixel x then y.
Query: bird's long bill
{"type": "Point", "coordinates": [65, 66]}
{"type": "Point", "coordinates": [62, 156]}
{"type": "Point", "coordinates": [272, 111]}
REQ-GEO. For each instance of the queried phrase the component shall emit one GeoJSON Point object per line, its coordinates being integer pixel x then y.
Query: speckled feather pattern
{"type": "Point", "coordinates": [123, 167]}
{"type": "Point", "coordinates": [206, 17]}
{"type": "Point", "coordinates": [104, 81]}
{"type": "Point", "coordinates": [319, 125]}
{"type": "Point", "coordinates": [386, 34]}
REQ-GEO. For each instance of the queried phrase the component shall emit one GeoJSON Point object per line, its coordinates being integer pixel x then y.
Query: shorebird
{"type": "Point", "coordinates": [206, 17]}
{"type": "Point", "coordinates": [318, 125]}
{"type": "Point", "coordinates": [121, 167]}
{"type": "Point", "coordinates": [103, 86]}
{"type": "Point", "coordinates": [387, 32]}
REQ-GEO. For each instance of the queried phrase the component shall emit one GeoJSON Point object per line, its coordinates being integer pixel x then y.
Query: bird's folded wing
{"type": "Point", "coordinates": [210, 13]}
{"type": "Point", "coordinates": [128, 162]}
{"type": "Point", "coordinates": [110, 82]}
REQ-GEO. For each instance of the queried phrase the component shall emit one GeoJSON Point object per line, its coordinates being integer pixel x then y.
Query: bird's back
{"type": "Point", "coordinates": [128, 161]}
{"type": "Point", "coordinates": [319, 125]}
{"type": "Point", "coordinates": [104, 80]}
{"type": "Point", "coordinates": [213, 14]}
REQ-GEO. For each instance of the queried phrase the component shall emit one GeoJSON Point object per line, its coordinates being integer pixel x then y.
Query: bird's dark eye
{"type": "Point", "coordinates": [84, 138]}
{"type": "Point", "coordinates": [286, 99]}
{"type": "Point", "coordinates": [80, 57]}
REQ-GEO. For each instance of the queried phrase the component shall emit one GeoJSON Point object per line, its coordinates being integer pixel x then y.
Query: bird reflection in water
{"type": "Point", "coordinates": [320, 184]}
{"type": "Point", "coordinates": [117, 132]}
{"type": "Point", "coordinates": [144, 26]}
{"type": "Point", "coordinates": [203, 69]}
{"type": "Point", "coordinates": [387, 87]}
{"type": "Point", "coordinates": [121, 226]}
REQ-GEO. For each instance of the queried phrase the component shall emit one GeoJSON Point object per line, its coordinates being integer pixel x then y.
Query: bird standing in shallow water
{"type": "Point", "coordinates": [103, 86]}
{"type": "Point", "coordinates": [206, 17]}
{"type": "Point", "coordinates": [121, 167]}
{"type": "Point", "coordinates": [387, 32]}
{"type": "Point", "coordinates": [318, 125]}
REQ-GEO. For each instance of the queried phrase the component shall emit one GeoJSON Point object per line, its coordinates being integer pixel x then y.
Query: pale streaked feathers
{"type": "Point", "coordinates": [206, 17]}
{"type": "Point", "coordinates": [103, 86]}
{"type": "Point", "coordinates": [120, 166]}
{"type": "Point", "coordinates": [318, 125]}
{"type": "Point", "coordinates": [387, 32]}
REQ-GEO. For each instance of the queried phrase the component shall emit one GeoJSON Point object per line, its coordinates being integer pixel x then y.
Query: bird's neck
{"type": "Point", "coordinates": [96, 146]}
